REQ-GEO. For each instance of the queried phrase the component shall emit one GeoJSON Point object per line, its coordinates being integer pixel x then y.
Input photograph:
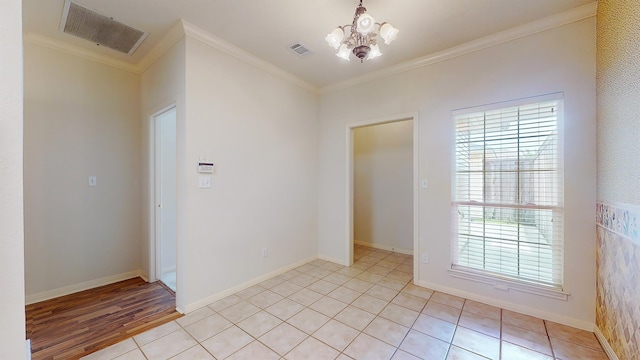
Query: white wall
{"type": "Point", "coordinates": [162, 85]}
{"type": "Point", "coordinates": [383, 185]}
{"type": "Point", "coordinates": [561, 59]}
{"type": "Point", "coordinates": [81, 119]}
{"type": "Point", "coordinates": [261, 133]}
{"type": "Point", "coordinates": [12, 331]}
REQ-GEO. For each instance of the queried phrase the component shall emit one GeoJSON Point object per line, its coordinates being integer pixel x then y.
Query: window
{"type": "Point", "coordinates": [507, 192]}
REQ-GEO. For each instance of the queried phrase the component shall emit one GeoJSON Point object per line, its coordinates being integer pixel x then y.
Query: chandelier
{"type": "Point", "coordinates": [362, 38]}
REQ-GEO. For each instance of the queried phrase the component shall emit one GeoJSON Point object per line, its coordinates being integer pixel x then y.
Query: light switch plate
{"type": "Point", "coordinates": [204, 182]}
{"type": "Point", "coordinates": [424, 183]}
{"type": "Point", "coordinates": [93, 181]}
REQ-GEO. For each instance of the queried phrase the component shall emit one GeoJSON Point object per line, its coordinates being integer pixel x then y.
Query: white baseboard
{"type": "Point", "coordinates": [180, 308]}
{"type": "Point", "coordinates": [511, 306]}
{"type": "Point", "coordinates": [247, 284]}
{"type": "Point", "coordinates": [66, 290]}
{"type": "Point", "coordinates": [144, 276]}
{"type": "Point", "coordinates": [332, 259]}
{"type": "Point", "coordinates": [384, 247]}
{"type": "Point", "coordinates": [605, 344]}
{"type": "Point", "coordinates": [28, 350]}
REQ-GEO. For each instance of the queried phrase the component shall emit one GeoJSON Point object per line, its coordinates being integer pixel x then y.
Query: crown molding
{"type": "Point", "coordinates": [58, 45]}
{"type": "Point", "coordinates": [175, 33]}
{"type": "Point", "coordinates": [215, 42]}
{"type": "Point", "coordinates": [548, 23]}
{"type": "Point", "coordinates": [183, 28]}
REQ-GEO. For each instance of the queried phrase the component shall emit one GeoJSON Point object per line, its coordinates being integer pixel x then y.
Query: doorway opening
{"type": "Point", "coordinates": [165, 197]}
{"type": "Point", "coordinates": [382, 186]}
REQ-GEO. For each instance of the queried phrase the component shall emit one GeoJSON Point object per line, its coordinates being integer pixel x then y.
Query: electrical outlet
{"type": "Point", "coordinates": [265, 252]}
{"type": "Point", "coordinates": [425, 258]}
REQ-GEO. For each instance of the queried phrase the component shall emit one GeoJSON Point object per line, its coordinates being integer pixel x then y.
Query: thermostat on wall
{"type": "Point", "coordinates": [205, 167]}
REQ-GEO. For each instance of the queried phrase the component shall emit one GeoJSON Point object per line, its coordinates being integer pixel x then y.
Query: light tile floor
{"type": "Point", "coordinates": [369, 311]}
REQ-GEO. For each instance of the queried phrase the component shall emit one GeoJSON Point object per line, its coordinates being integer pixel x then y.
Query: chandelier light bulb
{"type": "Point", "coordinates": [374, 52]}
{"type": "Point", "coordinates": [388, 33]}
{"type": "Point", "coordinates": [335, 37]}
{"type": "Point", "coordinates": [343, 53]}
{"type": "Point", "coordinates": [365, 24]}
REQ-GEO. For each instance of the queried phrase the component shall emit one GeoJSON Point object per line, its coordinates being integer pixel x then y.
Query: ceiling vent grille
{"type": "Point", "coordinates": [99, 29]}
{"type": "Point", "coordinates": [299, 49]}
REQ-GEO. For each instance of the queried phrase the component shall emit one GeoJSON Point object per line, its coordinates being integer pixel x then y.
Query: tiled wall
{"type": "Point", "coordinates": [620, 219]}
{"type": "Point", "coordinates": [618, 278]}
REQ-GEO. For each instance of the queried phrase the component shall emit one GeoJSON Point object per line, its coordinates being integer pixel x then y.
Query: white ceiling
{"type": "Point", "coordinates": [265, 28]}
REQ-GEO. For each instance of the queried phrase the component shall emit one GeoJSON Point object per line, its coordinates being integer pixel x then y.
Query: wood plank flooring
{"type": "Point", "coordinates": [75, 325]}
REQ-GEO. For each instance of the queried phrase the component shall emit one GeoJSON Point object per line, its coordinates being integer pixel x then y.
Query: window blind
{"type": "Point", "coordinates": [507, 193]}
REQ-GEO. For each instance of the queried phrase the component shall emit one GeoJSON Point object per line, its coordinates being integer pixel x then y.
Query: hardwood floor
{"type": "Point", "coordinates": [75, 325]}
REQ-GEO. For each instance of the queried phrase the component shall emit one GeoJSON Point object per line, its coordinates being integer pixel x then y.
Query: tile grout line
{"type": "Point", "coordinates": [336, 270]}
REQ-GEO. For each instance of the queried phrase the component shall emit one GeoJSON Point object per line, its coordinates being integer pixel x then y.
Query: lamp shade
{"type": "Point", "coordinates": [388, 33]}
{"type": "Point", "coordinates": [374, 52]}
{"type": "Point", "coordinates": [365, 23]}
{"type": "Point", "coordinates": [343, 53]}
{"type": "Point", "coordinates": [335, 37]}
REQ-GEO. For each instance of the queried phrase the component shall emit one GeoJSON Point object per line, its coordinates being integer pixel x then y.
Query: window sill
{"type": "Point", "coordinates": [506, 285]}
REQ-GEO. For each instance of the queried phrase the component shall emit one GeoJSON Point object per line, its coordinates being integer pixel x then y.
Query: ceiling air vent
{"type": "Point", "coordinates": [99, 29]}
{"type": "Point", "coordinates": [299, 49]}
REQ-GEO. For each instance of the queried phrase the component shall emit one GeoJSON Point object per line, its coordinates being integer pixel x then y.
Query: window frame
{"type": "Point", "coordinates": [502, 281]}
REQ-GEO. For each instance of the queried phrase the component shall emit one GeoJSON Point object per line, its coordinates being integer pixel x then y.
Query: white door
{"type": "Point", "coordinates": [166, 194]}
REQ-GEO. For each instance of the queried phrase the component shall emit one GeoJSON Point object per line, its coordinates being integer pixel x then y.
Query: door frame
{"type": "Point", "coordinates": [349, 183]}
{"type": "Point", "coordinates": [155, 248]}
